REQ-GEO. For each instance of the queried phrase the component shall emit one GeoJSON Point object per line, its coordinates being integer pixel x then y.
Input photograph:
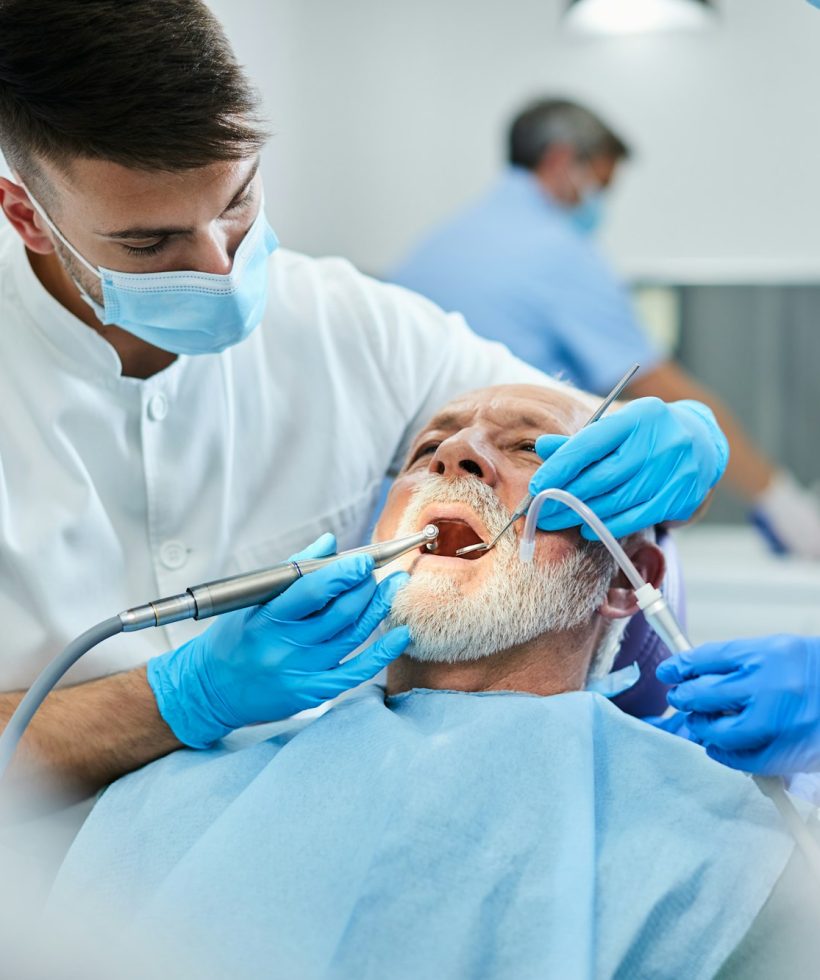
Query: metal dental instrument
{"type": "Point", "coordinates": [254, 588]}
{"type": "Point", "coordinates": [523, 507]}
{"type": "Point", "coordinates": [198, 602]}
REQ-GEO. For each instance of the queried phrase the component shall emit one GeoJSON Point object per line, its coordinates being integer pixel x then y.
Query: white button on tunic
{"type": "Point", "coordinates": [173, 554]}
{"type": "Point", "coordinates": [115, 490]}
{"type": "Point", "coordinates": [157, 407]}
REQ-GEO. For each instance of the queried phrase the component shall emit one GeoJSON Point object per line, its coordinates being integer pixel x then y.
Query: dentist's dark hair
{"type": "Point", "coordinates": [149, 84]}
{"type": "Point", "coordinates": [549, 122]}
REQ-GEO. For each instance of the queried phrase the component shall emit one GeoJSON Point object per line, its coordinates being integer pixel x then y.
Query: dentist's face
{"type": "Point", "coordinates": [149, 221]}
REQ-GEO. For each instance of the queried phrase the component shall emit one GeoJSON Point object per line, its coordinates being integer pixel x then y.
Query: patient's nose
{"type": "Point", "coordinates": [464, 454]}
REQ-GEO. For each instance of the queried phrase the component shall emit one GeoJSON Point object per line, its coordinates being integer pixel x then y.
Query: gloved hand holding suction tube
{"type": "Point", "coordinates": [646, 463]}
{"type": "Point", "coordinates": [753, 703]}
{"type": "Point", "coordinates": [268, 662]}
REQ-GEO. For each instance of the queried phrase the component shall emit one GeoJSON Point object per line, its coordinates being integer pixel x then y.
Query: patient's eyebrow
{"type": "Point", "coordinates": [531, 422]}
{"type": "Point", "coordinates": [447, 420]}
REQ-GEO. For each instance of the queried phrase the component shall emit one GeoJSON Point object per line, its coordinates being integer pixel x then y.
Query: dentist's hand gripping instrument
{"type": "Point", "coordinates": [198, 602]}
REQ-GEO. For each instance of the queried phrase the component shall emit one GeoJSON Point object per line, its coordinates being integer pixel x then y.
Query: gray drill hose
{"type": "Point", "coordinates": [46, 680]}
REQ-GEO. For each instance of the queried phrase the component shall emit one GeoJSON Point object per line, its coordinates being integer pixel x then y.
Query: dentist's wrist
{"type": "Point", "coordinates": [183, 700]}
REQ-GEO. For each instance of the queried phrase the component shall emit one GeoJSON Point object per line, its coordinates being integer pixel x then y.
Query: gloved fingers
{"type": "Point", "coordinates": [709, 658]}
{"type": "Point", "coordinates": [322, 628]}
{"type": "Point", "coordinates": [633, 519]}
{"type": "Point", "coordinates": [711, 694]}
{"type": "Point", "coordinates": [547, 444]}
{"type": "Point", "coordinates": [607, 486]}
{"type": "Point", "coordinates": [313, 592]}
{"type": "Point", "coordinates": [323, 547]}
{"type": "Point", "coordinates": [626, 522]}
{"type": "Point", "coordinates": [643, 503]}
{"type": "Point", "coordinates": [675, 724]}
{"type": "Point", "coordinates": [729, 732]}
{"type": "Point", "coordinates": [580, 451]}
{"type": "Point", "coordinates": [748, 761]}
{"type": "Point", "coordinates": [329, 654]}
{"type": "Point", "coordinates": [365, 665]}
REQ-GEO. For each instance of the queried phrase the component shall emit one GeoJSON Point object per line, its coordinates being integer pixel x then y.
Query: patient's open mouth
{"type": "Point", "coordinates": [453, 534]}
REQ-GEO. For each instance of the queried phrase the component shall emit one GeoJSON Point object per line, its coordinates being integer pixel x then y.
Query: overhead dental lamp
{"type": "Point", "coordinates": [638, 16]}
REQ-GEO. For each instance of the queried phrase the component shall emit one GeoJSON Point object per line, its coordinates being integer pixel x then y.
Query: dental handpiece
{"type": "Point", "coordinates": [252, 589]}
{"type": "Point", "coordinates": [198, 602]}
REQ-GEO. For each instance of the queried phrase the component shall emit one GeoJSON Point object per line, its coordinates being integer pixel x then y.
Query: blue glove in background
{"type": "Point", "coordinates": [675, 724]}
{"type": "Point", "coordinates": [647, 463]}
{"type": "Point", "coordinates": [754, 704]}
{"type": "Point", "coordinates": [268, 662]}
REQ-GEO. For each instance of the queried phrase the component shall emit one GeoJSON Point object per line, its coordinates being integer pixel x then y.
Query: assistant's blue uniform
{"type": "Point", "coordinates": [521, 272]}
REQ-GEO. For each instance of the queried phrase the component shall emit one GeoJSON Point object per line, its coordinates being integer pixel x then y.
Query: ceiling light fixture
{"type": "Point", "coordinates": [638, 16]}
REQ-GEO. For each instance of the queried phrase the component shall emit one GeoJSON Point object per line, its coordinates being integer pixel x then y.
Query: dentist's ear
{"type": "Point", "coordinates": [651, 564]}
{"type": "Point", "coordinates": [15, 204]}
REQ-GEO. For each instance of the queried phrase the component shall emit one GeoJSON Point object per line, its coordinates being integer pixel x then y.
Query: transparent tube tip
{"type": "Point", "coordinates": [526, 550]}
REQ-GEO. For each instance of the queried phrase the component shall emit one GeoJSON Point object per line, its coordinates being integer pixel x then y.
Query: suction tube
{"type": "Point", "coordinates": [589, 517]}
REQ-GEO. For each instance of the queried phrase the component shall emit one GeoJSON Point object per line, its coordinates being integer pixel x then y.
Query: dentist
{"type": "Point", "coordinates": [182, 399]}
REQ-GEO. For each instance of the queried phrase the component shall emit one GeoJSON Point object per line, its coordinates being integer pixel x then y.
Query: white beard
{"type": "Point", "coordinates": [516, 603]}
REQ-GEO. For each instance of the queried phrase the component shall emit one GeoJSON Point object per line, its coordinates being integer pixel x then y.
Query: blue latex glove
{"type": "Point", "coordinates": [271, 661]}
{"type": "Point", "coordinates": [675, 724]}
{"type": "Point", "coordinates": [754, 704]}
{"type": "Point", "coordinates": [647, 463]}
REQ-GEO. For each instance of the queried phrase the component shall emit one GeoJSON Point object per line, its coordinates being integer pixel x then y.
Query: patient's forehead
{"type": "Point", "coordinates": [548, 410]}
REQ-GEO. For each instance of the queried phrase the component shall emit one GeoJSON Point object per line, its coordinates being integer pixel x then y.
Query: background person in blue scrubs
{"type": "Point", "coordinates": [522, 266]}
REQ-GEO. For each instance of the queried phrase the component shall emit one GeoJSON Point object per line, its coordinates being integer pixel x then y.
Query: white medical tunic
{"type": "Point", "coordinates": [116, 490]}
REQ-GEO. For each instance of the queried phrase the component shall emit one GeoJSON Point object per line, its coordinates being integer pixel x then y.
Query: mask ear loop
{"type": "Point", "coordinates": [42, 212]}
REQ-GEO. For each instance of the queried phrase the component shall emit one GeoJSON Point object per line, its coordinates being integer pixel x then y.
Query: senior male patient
{"type": "Point", "coordinates": [488, 817]}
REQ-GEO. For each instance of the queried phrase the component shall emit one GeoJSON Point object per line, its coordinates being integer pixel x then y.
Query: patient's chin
{"type": "Point", "coordinates": [433, 606]}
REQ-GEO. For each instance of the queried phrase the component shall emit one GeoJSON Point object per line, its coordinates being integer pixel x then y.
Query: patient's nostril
{"type": "Point", "coordinates": [471, 466]}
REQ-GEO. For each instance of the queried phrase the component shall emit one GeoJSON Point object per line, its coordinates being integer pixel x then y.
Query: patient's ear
{"type": "Point", "coordinates": [651, 564]}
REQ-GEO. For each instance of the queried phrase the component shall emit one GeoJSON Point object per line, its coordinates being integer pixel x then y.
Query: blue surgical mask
{"type": "Point", "coordinates": [186, 312]}
{"type": "Point", "coordinates": [588, 213]}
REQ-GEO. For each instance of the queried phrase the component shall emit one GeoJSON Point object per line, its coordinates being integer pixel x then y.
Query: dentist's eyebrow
{"type": "Point", "coordinates": [140, 233]}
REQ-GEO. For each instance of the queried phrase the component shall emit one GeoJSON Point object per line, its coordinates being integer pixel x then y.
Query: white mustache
{"type": "Point", "coordinates": [480, 498]}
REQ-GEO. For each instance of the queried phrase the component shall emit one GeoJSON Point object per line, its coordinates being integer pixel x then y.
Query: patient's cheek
{"type": "Point", "coordinates": [553, 547]}
{"type": "Point", "coordinates": [391, 515]}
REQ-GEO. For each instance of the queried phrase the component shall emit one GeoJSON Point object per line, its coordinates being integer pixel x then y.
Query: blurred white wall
{"type": "Point", "coordinates": [390, 113]}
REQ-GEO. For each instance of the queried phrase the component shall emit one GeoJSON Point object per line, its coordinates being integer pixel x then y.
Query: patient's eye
{"type": "Point", "coordinates": [427, 449]}
{"type": "Point", "coordinates": [527, 447]}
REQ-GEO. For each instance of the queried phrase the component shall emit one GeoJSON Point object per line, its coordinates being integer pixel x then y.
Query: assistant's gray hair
{"type": "Point", "coordinates": [550, 122]}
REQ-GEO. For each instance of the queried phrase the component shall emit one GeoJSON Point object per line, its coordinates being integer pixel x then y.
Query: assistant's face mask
{"type": "Point", "coordinates": [588, 214]}
{"type": "Point", "coordinates": [186, 312]}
